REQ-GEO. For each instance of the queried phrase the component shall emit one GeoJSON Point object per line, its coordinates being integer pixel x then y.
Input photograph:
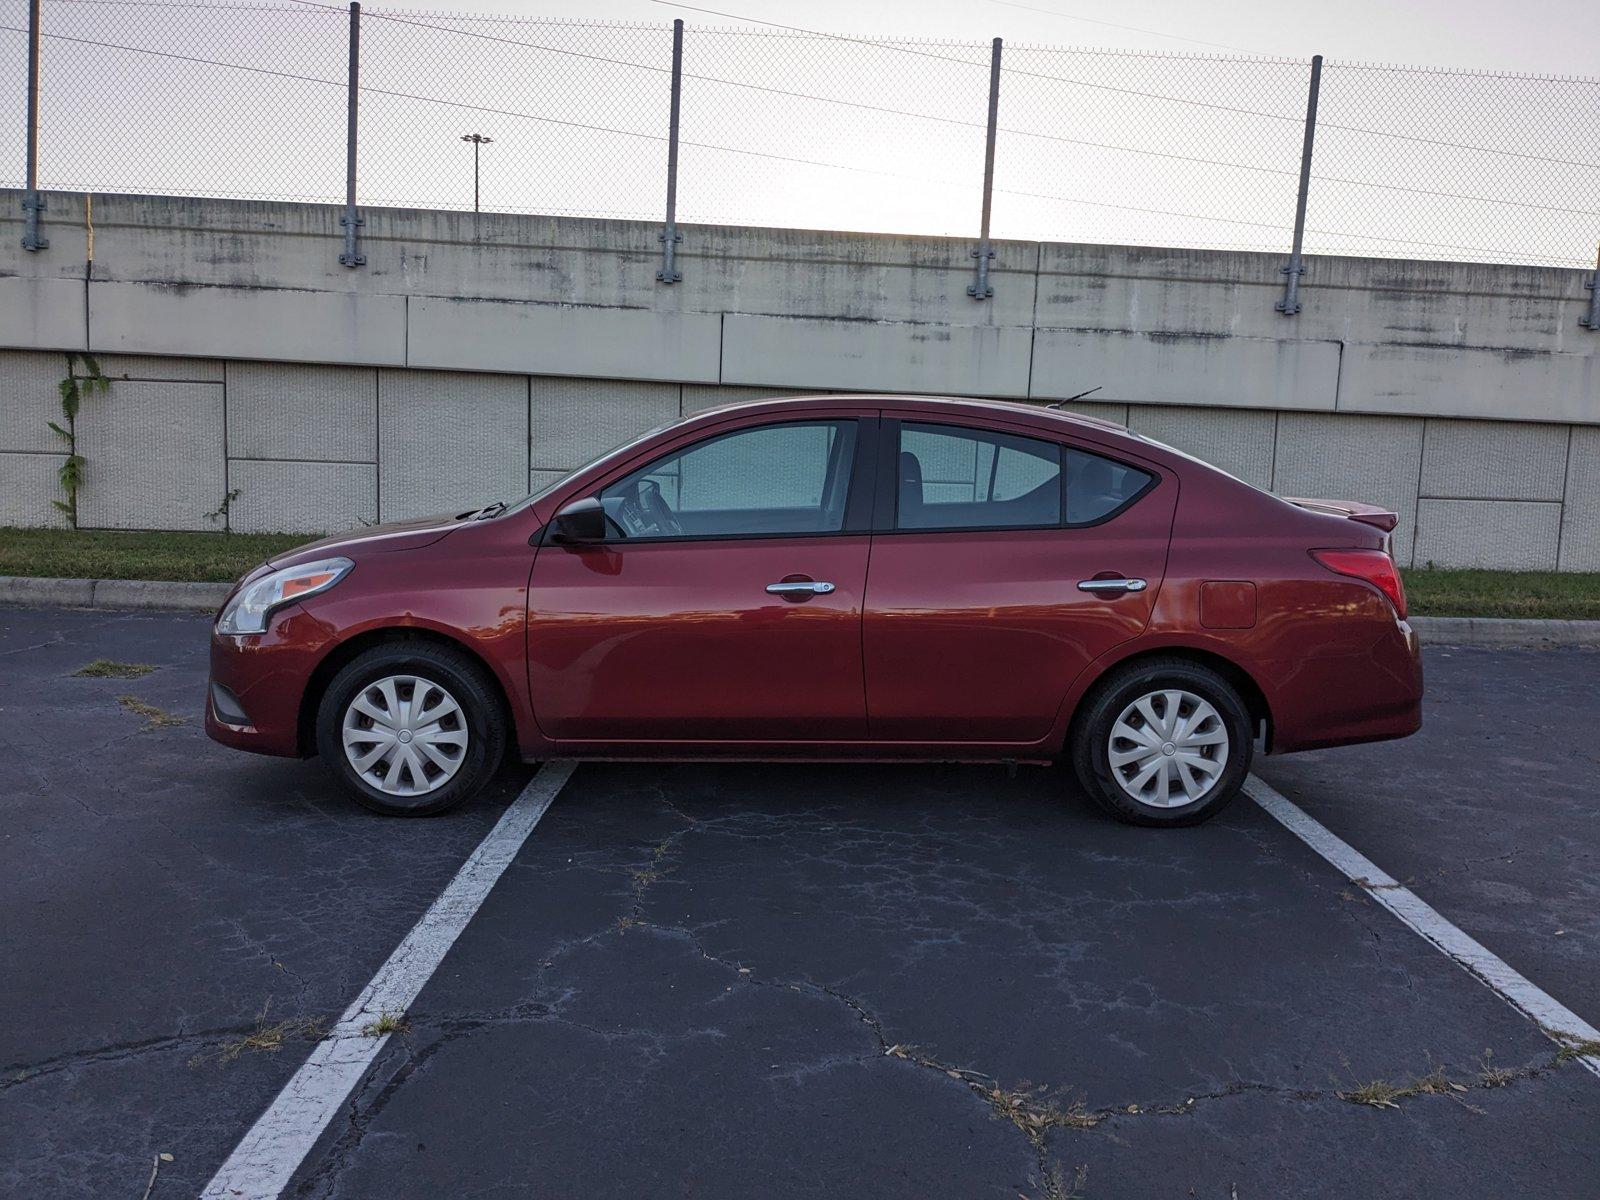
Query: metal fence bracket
{"type": "Point", "coordinates": [979, 289]}
{"type": "Point", "coordinates": [670, 239]}
{"type": "Point", "coordinates": [32, 206]}
{"type": "Point", "coordinates": [669, 236]}
{"type": "Point", "coordinates": [1290, 304]}
{"type": "Point", "coordinates": [352, 256]}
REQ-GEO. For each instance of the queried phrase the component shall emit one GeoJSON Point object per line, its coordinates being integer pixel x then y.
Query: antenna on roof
{"type": "Point", "coordinates": [1070, 399]}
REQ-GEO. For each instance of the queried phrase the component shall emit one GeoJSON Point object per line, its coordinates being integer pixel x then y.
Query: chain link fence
{"type": "Point", "coordinates": [798, 129]}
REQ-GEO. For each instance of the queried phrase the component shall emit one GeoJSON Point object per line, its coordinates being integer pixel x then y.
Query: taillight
{"type": "Point", "coordinates": [1374, 566]}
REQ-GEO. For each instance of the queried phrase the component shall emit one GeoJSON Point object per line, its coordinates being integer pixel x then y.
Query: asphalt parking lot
{"type": "Point", "coordinates": [744, 980]}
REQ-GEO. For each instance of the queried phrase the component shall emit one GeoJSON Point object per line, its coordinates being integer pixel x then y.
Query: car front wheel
{"type": "Point", "coordinates": [411, 729]}
{"type": "Point", "coordinates": [1163, 742]}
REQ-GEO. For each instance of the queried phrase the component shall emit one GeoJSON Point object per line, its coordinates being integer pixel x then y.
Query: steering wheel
{"type": "Point", "coordinates": [657, 509]}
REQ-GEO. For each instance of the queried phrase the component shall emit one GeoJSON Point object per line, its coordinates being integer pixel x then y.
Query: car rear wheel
{"type": "Point", "coordinates": [411, 729]}
{"type": "Point", "coordinates": [1163, 742]}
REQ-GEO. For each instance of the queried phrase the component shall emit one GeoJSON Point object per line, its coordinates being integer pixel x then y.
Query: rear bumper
{"type": "Point", "coordinates": [258, 681]}
{"type": "Point", "coordinates": [1338, 694]}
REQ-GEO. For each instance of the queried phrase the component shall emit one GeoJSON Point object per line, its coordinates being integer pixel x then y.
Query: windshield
{"type": "Point", "coordinates": [614, 452]}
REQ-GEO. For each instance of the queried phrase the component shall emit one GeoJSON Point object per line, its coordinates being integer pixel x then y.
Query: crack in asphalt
{"type": "Point", "coordinates": [57, 640]}
{"type": "Point", "coordinates": [22, 1074]}
{"type": "Point", "coordinates": [1032, 1110]}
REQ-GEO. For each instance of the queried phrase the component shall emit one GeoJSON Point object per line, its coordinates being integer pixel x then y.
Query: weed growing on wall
{"type": "Point", "coordinates": [73, 389]}
{"type": "Point", "coordinates": [220, 512]}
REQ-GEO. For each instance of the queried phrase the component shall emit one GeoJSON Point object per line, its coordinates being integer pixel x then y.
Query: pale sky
{"type": "Point", "coordinates": [1133, 123]}
{"type": "Point", "coordinates": [1544, 37]}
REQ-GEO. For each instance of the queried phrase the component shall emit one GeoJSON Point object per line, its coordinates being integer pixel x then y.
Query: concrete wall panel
{"type": "Point", "coordinates": [1117, 414]}
{"type": "Point", "coordinates": [290, 411]}
{"type": "Point", "coordinates": [1580, 526]}
{"type": "Point", "coordinates": [61, 223]}
{"type": "Point", "coordinates": [699, 397]}
{"type": "Point", "coordinates": [157, 368]}
{"type": "Point", "coordinates": [1367, 300]}
{"type": "Point", "coordinates": [574, 420]}
{"type": "Point", "coordinates": [1181, 368]}
{"type": "Point", "coordinates": [153, 456]}
{"type": "Point", "coordinates": [562, 339]}
{"type": "Point", "coordinates": [449, 442]}
{"type": "Point", "coordinates": [29, 399]}
{"type": "Point", "coordinates": [28, 484]}
{"type": "Point", "coordinates": [539, 480]}
{"type": "Point", "coordinates": [1515, 535]}
{"type": "Point", "coordinates": [1239, 442]}
{"type": "Point", "coordinates": [1148, 289]}
{"type": "Point", "coordinates": [41, 294]}
{"type": "Point", "coordinates": [1493, 384]}
{"type": "Point", "coordinates": [872, 356]}
{"type": "Point", "coordinates": [42, 314]}
{"type": "Point", "coordinates": [301, 497]}
{"type": "Point", "coordinates": [290, 326]}
{"type": "Point", "coordinates": [1494, 460]}
{"type": "Point", "coordinates": [850, 276]}
{"type": "Point", "coordinates": [1337, 457]}
{"type": "Point", "coordinates": [238, 243]}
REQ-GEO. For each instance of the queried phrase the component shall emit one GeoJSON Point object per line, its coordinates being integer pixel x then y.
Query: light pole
{"type": "Point", "coordinates": [477, 140]}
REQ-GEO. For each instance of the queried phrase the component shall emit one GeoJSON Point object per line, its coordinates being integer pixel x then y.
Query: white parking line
{"type": "Point", "coordinates": [261, 1165]}
{"type": "Point", "coordinates": [1556, 1020]}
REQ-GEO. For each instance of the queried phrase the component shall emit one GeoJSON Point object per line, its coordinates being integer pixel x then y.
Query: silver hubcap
{"type": "Point", "coordinates": [405, 735]}
{"type": "Point", "coordinates": [1168, 748]}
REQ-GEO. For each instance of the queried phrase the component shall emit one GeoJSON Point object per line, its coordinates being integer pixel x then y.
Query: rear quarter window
{"type": "Point", "coordinates": [1099, 488]}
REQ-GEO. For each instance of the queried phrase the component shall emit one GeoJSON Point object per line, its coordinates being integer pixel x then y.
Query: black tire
{"type": "Point", "coordinates": [466, 682]}
{"type": "Point", "coordinates": [1090, 740]}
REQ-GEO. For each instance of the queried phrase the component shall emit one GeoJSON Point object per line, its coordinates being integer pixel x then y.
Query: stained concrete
{"type": "Point", "coordinates": [1490, 358]}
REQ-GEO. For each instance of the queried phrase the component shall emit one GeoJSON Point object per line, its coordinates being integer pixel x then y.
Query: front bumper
{"type": "Point", "coordinates": [258, 682]}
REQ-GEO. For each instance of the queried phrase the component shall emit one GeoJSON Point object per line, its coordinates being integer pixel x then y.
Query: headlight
{"type": "Point", "coordinates": [248, 610]}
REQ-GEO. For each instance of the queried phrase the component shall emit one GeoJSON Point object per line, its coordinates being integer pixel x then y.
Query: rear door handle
{"type": "Point", "coordinates": [806, 588]}
{"type": "Point", "coordinates": [1112, 585]}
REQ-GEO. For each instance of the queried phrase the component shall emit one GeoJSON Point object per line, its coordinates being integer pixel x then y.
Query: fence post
{"type": "Point", "coordinates": [670, 237]}
{"type": "Point", "coordinates": [32, 201]}
{"type": "Point", "coordinates": [1290, 304]}
{"type": "Point", "coordinates": [1592, 321]}
{"type": "Point", "coordinates": [352, 257]}
{"type": "Point", "coordinates": [980, 289]}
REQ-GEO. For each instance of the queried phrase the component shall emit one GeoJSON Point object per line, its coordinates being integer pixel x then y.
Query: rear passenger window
{"type": "Point", "coordinates": [955, 478]}
{"type": "Point", "coordinates": [1098, 487]}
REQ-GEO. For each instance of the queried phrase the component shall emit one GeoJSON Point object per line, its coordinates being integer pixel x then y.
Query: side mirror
{"type": "Point", "coordinates": [582, 522]}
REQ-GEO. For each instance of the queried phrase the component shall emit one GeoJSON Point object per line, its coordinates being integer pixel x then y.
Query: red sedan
{"type": "Point", "coordinates": [862, 577]}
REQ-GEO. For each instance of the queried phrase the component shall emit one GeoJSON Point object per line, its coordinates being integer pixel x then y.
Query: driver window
{"type": "Point", "coordinates": [771, 480]}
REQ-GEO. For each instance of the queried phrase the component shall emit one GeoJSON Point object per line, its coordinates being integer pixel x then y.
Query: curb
{"type": "Point", "coordinates": [1505, 632]}
{"type": "Point", "coordinates": [148, 594]}
{"type": "Point", "coordinates": [144, 594]}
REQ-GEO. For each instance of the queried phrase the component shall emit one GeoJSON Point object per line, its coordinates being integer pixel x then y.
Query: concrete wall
{"type": "Point", "coordinates": [456, 368]}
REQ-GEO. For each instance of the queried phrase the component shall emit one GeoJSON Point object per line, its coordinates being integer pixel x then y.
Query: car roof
{"type": "Point", "coordinates": [1034, 413]}
{"type": "Point", "coordinates": [1038, 414]}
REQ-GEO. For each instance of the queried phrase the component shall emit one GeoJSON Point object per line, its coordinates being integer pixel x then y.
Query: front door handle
{"type": "Point", "coordinates": [1112, 585]}
{"type": "Point", "coordinates": [805, 588]}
